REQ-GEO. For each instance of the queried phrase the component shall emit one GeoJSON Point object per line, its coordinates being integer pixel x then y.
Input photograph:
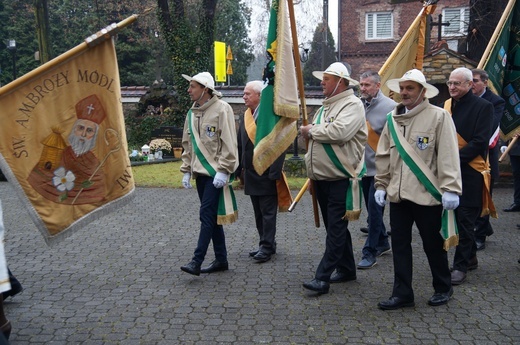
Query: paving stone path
{"type": "Point", "coordinates": [118, 281]}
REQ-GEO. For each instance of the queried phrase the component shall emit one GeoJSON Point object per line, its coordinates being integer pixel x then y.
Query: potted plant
{"type": "Point", "coordinates": [158, 146]}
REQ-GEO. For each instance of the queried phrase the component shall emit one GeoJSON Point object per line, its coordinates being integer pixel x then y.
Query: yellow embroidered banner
{"type": "Point", "coordinates": [408, 53]}
{"type": "Point", "coordinates": [63, 142]}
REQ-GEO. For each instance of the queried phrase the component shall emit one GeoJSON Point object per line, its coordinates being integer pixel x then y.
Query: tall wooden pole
{"type": "Point", "coordinates": [305, 121]}
{"type": "Point", "coordinates": [41, 10]}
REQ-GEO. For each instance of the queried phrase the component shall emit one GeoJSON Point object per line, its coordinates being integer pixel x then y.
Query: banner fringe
{"type": "Point", "coordinates": [352, 215]}
{"type": "Point", "coordinates": [227, 219]}
{"type": "Point", "coordinates": [450, 242]}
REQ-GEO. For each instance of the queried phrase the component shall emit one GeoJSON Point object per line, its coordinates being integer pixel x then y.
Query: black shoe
{"type": "Point", "coordinates": [512, 208]}
{"type": "Point", "coordinates": [192, 268]}
{"type": "Point", "coordinates": [215, 266]}
{"type": "Point", "coordinates": [364, 230]}
{"type": "Point", "coordinates": [395, 303]}
{"type": "Point", "coordinates": [481, 245]}
{"type": "Point", "coordinates": [383, 251]}
{"type": "Point", "coordinates": [16, 288]}
{"type": "Point", "coordinates": [518, 226]}
{"type": "Point", "coordinates": [473, 263]}
{"type": "Point", "coordinates": [340, 277]}
{"type": "Point", "coordinates": [254, 252]}
{"type": "Point", "coordinates": [262, 256]}
{"type": "Point", "coordinates": [457, 277]}
{"type": "Point", "coordinates": [440, 298]}
{"type": "Point", "coordinates": [317, 285]}
{"type": "Point", "coordinates": [6, 330]}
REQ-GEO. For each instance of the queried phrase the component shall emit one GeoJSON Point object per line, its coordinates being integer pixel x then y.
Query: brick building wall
{"type": "Point", "coordinates": [363, 54]}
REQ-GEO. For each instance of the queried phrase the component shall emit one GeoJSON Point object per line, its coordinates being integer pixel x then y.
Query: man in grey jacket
{"type": "Point", "coordinates": [377, 106]}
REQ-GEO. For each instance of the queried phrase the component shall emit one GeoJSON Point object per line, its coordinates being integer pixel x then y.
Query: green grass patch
{"type": "Point", "coordinates": [167, 175]}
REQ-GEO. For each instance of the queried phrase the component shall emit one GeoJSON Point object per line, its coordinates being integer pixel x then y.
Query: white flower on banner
{"type": "Point", "coordinates": [63, 180]}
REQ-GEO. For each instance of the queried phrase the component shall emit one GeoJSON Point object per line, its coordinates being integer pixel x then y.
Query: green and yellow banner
{"type": "Point", "coordinates": [501, 60]}
{"type": "Point", "coordinates": [278, 109]}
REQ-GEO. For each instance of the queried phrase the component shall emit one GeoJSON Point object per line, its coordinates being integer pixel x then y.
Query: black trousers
{"type": "Point", "coordinates": [266, 208]}
{"type": "Point", "coordinates": [466, 218]}
{"type": "Point", "coordinates": [331, 196]}
{"type": "Point", "coordinates": [428, 220]}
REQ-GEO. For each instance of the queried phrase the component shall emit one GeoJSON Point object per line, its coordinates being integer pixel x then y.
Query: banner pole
{"type": "Point", "coordinates": [305, 121]}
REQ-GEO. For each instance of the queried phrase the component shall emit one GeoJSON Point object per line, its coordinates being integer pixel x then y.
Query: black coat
{"type": "Point", "coordinates": [471, 117]}
{"type": "Point", "coordinates": [498, 110]}
{"type": "Point", "coordinates": [255, 184]}
{"type": "Point", "coordinates": [498, 106]}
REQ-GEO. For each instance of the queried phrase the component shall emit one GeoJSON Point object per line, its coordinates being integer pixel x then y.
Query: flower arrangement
{"type": "Point", "coordinates": [160, 144]}
{"type": "Point", "coordinates": [137, 156]}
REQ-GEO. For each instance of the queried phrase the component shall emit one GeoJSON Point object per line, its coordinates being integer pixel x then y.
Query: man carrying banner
{"type": "Point", "coordinates": [377, 106]}
{"type": "Point", "coordinates": [267, 191]}
{"type": "Point", "coordinates": [480, 88]}
{"type": "Point", "coordinates": [335, 163]}
{"type": "Point", "coordinates": [418, 169]}
{"type": "Point", "coordinates": [471, 115]}
{"type": "Point", "coordinates": [210, 156]}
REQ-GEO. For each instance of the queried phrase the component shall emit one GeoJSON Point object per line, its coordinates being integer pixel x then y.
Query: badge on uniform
{"type": "Point", "coordinates": [423, 142]}
{"type": "Point", "coordinates": [210, 131]}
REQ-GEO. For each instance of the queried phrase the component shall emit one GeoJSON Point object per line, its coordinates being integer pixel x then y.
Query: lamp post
{"type": "Point", "coordinates": [11, 45]}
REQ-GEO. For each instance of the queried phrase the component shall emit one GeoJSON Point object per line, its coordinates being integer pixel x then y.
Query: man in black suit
{"type": "Point", "coordinates": [261, 188]}
{"type": "Point", "coordinates": [480, 88]}
{"type": "Point", "coordinates": [474, 128]}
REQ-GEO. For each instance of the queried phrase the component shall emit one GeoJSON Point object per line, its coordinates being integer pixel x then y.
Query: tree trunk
{"type": "Point", "coordinates": [42, 29]}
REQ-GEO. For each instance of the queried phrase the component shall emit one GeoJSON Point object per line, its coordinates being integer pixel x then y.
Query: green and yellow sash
{"type": "Point", "coordinates": [449, 230]}
{"type": "Point", "coordinates": [227, 206]}
{"type": "Point", "coordinates": [354, 191]}
{"type": "Point", "coordinates": [282, 186]}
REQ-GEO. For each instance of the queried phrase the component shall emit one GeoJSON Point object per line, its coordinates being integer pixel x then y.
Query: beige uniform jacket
{"type": "Point", "coordinates": [214, 124]}
{"type": "Point", "coordinates": [431, 133]}
{"type": "Point", "coordinates": [343, 126]}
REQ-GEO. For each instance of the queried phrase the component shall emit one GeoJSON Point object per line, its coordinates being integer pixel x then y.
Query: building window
{"type": "Point", "coordinates": [379, 25]}
{"type": "Point", "coordinates": [458, 19]}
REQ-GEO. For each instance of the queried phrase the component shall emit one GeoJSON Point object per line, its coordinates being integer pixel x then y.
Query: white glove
{"type": "Point", "coordinates": [450, 201]}
{"type": "Point", "coordinates": [379, 196]}
{"type": "Point", "coordinates": [220, 180]}
{"type": "Point", "coordinates": [503, 149]}
{"type": "Point", "coordinates": [186, 181]}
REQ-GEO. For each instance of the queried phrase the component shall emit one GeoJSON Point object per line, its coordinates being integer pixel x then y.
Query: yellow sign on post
{"type": "Point", "coordinates": [229, 55]}
{"type": "Point", "coordinates": [220, 62]}
{"type": "Point", "coordinates": [229, 68]}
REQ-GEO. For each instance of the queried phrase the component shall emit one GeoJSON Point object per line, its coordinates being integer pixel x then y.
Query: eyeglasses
{"type": "Point", "coordinates": [456, 83]}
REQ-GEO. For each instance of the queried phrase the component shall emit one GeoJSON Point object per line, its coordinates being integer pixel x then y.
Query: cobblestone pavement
{"type": "Point", "coordinates": [118, 281]}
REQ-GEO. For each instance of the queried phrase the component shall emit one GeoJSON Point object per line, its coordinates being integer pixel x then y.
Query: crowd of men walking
{"type": "Point", "coordinates": [430, 166]}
